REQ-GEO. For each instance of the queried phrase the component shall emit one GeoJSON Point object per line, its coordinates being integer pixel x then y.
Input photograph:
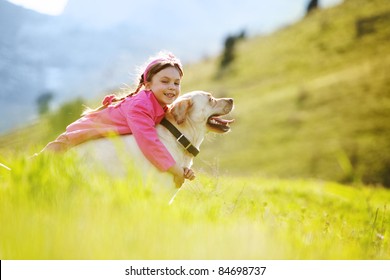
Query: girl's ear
{"type": "Point", "coordinates": [147, 85]}
{"type": "Point", "coordinates": [180, 110]}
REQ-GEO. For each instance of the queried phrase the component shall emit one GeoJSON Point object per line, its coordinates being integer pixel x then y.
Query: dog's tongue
{"type": "Point", "coordinates": [222, 121]}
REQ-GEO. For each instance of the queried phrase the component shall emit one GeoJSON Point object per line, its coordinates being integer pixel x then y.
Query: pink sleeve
{"type": "Point", "coordinates": [142, 126]}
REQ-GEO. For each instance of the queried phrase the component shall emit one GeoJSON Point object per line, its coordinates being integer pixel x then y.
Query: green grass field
{"type": "Point", "coordinates": [312, 109]}
{"type": "Point", "coordinates": [53, 208]}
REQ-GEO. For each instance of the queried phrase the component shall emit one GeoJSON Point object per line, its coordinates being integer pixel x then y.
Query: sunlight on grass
{"type": "Point", "coordinates": [54, 208]}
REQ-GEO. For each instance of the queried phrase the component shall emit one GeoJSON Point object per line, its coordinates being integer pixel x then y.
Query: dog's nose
{"type": "Point", "coordinates": [230, 100]}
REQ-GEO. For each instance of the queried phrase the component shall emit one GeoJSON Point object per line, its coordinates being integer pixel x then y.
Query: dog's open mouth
{"type": "Point", "coordinates": [219, 124]}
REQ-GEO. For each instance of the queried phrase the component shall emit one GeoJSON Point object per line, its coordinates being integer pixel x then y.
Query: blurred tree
{"type": "Point", "coordinates": [228, 54]}
{"type": "Point", "coordinates": [313, 4]}
{"type": "Point", "coordinates": [66, 114]}
{"type": "Point", "coordinates": [43, 102]}
{"type": "Point", "coordinates": [372, 24]}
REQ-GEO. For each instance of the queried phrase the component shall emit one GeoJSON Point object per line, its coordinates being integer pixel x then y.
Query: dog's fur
{"type": "Point", "coordinates": [194, 114]}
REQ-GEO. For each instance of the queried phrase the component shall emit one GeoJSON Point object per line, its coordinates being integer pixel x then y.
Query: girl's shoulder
{"type": "Point", "coordinates": [142, 96]}
{"type": "Point", "coordinates": [141, 99]}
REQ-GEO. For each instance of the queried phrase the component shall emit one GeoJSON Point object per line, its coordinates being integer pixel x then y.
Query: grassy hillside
{"type": "Point", "coordinates": [54, 208]}
{"type": "Point", "coordinates": [312, 99]}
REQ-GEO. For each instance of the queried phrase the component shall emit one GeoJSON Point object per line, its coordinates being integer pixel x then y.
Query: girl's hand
{"type": "Point", "coordinates": [189, 173]}
{"type": "Point", "coordinates": [179, 181]}
{"type": "Point", "coordinates": [178, 175]}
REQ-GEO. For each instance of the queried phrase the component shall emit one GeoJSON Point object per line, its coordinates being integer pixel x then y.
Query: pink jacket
{"type": "Point", "coordinates": [137, 115]}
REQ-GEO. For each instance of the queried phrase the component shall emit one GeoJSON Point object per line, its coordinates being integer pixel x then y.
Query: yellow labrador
{"type": "Point", "coordinates": [189, 118]}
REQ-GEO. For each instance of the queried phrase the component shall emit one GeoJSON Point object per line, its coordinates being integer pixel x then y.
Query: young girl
{"type": "Point", "coordinates": [137, 113]}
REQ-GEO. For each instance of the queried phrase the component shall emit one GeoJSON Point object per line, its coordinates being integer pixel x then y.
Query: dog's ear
{"type": "Point", "coordinates": [180, 110]}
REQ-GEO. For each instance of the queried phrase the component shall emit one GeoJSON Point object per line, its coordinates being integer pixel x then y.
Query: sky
{"type": "Point", "coordinates": [192, 29]}
{"type": "Point", "coordinates": [259, 15]}
{"type": "Point", "coordinates": [207, 20]}
{"type": "Point", "coordinates": [50, 7]}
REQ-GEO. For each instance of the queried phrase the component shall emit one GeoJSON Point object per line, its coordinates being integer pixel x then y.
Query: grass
{"type": "Point", "coordinates": [53, 208]}
{"type": "Point", "coordinates": [311, 102]}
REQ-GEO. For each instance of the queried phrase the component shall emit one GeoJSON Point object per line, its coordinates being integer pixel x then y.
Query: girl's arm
{"type": "Point", "coordinates": [143, 128]}
{"type": "Point", "coordinates": [142, 123]}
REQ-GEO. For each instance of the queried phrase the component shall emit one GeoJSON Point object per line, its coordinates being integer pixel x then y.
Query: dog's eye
{"type": "Point", "coordinates": [212, 100]}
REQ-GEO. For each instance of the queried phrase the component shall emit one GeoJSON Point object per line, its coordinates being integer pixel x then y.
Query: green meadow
{"type": "Point", "coordinates": [304, 173]}
{"type": "Point", "coordinates": [53, 208]}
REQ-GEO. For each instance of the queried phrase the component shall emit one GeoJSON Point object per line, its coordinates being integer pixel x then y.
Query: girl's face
{"type": "Point", "coordinates": [165, 85]}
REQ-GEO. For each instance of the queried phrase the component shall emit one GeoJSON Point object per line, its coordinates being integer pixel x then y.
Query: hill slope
{"type": "Point", "coordinates": [312, 99]}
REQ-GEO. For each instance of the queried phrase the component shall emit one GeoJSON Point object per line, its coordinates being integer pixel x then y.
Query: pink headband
{"type": "Point", "coordinates": [169, 59]}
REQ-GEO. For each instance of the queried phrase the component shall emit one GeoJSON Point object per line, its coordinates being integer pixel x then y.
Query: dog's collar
{"type": "Point", "coordinates": [180, 137]}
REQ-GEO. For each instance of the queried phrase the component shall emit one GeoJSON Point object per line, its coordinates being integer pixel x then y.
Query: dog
{"type": "Point", "coordinates": [193, 114]}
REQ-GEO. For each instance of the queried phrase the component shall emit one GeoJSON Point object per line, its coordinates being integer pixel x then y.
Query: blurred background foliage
{"type": "Point", "coordinates": [312, 100]}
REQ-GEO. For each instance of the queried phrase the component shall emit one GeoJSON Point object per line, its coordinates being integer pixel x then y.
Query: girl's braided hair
{"type": "Point", "coordinates": [156, 64]}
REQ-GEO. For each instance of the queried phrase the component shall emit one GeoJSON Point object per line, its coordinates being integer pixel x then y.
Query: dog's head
{"type": "Point", "coordinates": [201, 108]}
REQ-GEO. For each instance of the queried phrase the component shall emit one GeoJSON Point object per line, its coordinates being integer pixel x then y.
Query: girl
{"type": "Point", "coordinates": [137, 113]}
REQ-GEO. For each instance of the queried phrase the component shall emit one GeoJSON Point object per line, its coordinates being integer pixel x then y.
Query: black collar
{"type": "Point", "coordinates": [180, 137]}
